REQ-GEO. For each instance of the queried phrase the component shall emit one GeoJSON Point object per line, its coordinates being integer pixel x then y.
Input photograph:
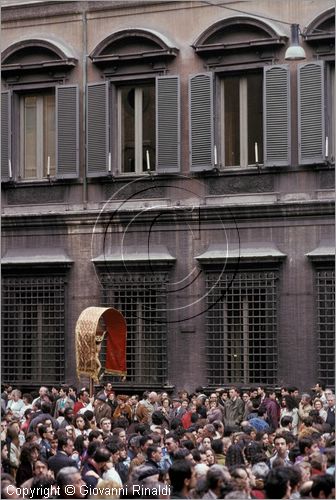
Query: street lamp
{"type": "Point", "coordinates": [295, 52]}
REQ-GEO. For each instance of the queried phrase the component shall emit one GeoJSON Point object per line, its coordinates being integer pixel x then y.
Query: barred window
{"type": "Point", "coordinates": [141, 298]}
{"type": "Point", "coordinates": [33, 324]}
{"type": "Point", "coordinates": [242, 328]}
{"type": "Point", "coordinates": [325, 282]}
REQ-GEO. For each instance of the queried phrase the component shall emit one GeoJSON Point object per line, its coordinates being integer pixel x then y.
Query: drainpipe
{"type": "Point", "coordinates": [84, 64]}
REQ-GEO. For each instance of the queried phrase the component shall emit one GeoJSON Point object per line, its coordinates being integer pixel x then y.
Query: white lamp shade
{"type": "Point", "coordinates": [295, 53]}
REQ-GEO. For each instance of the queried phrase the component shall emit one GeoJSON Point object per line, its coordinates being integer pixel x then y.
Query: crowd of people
{"type": "Point", "coordinates": [227, 444]}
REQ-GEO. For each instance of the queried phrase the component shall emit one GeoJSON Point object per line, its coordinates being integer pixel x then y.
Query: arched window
{"type": "Point", "coordinates": [245, 94]}
{"type": "Point", "coordinates": [134, 116]}
{"type": "Point", "coordinates": [39, 112]}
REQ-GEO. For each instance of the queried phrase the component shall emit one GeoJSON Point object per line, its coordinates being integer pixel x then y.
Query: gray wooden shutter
{"type": "Point", "coordinates": [311, 113]}
{"type": "Point", "coordinates": [5, 135]}
{"type": "Point", "coordinates": [67, 133]}
{"type": "Point", "coordinates": [168, 133]}
{"type": "Point", "coordinates": [97, 129]}
{"type": "Point", "coordinates": [201, 136]}
{"type": "Point", "coordinates": [277, 143]}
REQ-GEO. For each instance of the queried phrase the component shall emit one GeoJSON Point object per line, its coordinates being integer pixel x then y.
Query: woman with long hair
{"type": "Point", "coordinates": [30, 453]}
{"type": "Point", "coordinates": [289, 407]}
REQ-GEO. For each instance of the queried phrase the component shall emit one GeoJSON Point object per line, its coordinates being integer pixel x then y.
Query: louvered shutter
{"type": "Point", "coordinates": [67, 133]}
{"type": "Point", "coordinates": [97, 129]}
{"type": "Point", "coordinates": [277, 116]}
{"type": "Point", "coordinates": [168, 112]}
{"type": "Point", "coordinates": [311, 112]}
{"type": "Point", "coordinates": [5, 135]}
{"type": "Point", "coordinates": [201, 135]}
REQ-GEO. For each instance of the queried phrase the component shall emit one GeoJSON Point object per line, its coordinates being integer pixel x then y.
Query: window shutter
{"type": "Point", "coordinates": [5, 135]}
{"type": "Point", "coordinates": [97, 129]}
{"type": "Point", "coordinates": [201, 136]}
{"type": "Point", "coordinates": [168, 111]}
{"type": "Point", "coordinates": [277, 116]}
{"type": "Point", "coordinates": [311, 112]}
{"type": "Point", "coordinates": [67, 133]}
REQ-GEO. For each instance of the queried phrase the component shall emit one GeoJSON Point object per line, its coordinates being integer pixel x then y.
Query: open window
{"type": "Point", "coordinates": [39, 112]}
{"type": "Point", "coordinates": [239, 110]}
{"type": "Point", "coordinates": [133, 121]}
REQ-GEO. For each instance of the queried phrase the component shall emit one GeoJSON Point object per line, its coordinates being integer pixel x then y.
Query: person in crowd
{"type": "Point", "coordinates": [63, 402]}
{"type": "Point", "coordinates": [318, 406]}
{"type": "Point", "coordinates": [330, 420]}
{"type": "Point", "coordinates": [16, 404]}
{"type": "Point", "coordinates": [281, 447]}
{"type": "Point", "coordinates": [101, 408]}
{"type": "Point", "coordinates": [70, 476]}
{"type": "Point", "coordinates": [83, 400]}
{"type": "Point", "coordinates": [63, 455]}
{"type": "Point", "coordinates": [240, 461]}
{"type": "Point", "coordinates": [182, 479]}
{"type": "Point", "coordinates": [289, 407]}
{"type": "Point", "coordinates": [30, 453]}
{"type": "Point", "coordinates": [233, 408]}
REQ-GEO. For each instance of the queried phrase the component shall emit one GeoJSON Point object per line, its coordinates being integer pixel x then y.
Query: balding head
{"type": "Point", "coordinates": [152, 397]}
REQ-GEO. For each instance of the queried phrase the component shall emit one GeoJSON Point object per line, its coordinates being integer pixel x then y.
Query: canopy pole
{"type": "Point", "coordinates": [91, 387]}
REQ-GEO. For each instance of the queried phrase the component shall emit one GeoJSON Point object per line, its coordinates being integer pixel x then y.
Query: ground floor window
{"type": "Point", "coordinates": [33, 326]}
{"type": "Point", "coordinates": [325, 284]}
{"type": "Point", "coordinates": [141, 298]}
{"type": "Point", "coordinates": [242, 327]}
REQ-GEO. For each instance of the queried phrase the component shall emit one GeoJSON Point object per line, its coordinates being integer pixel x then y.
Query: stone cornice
{"type": "Point", "coordinates": [163, 213]}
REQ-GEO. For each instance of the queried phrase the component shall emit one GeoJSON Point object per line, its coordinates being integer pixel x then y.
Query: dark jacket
{"type": "Point", "coordinates": [60, 460]}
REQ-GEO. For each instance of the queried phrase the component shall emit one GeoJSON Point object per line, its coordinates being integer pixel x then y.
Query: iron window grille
{"type": "Point", "coordinates": [141, 298]}
{"type": "Point", "coordinates": [242, 328]}
{"type": "Point", "coordinates": [33, 325]}
{"type": "Point", "coordinates": [325, 283]}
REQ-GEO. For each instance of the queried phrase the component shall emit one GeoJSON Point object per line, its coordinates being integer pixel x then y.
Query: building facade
{"type": "Point", "coordinates": [165, 159]}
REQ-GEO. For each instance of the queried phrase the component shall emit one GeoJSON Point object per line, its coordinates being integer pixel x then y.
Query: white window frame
{"type": "Point", "coordinates": [243, 124]}
{"type": "Point", "coordinates": [39, 138]}
{"type": "Point", "coordinates": [138, 131]}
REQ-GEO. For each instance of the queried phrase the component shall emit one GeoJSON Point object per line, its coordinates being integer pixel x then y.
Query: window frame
{"type": "Point", "coordinates": [245, 269]}
{"type": "Point", "coordinates": [138, 126]}
{"type": "Point", "coordinates": [37, 279]}
{"type": "Point", "coordinates": [40, 139]}
{"type": "Point", "coordinates": [129, 286]}
{"type": "Point", "coordinates": [243, 117]}
{"type": "Point", "coordinates": [321, 268]}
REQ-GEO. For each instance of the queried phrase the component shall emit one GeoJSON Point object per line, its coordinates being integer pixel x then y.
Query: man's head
{"type": "Point", "coordinates": [277, 483]}
{"type": "Point", "coordinates": [281, 446]}
{"type": "Point", "coordinates": [171, 444]}
{"type": "Point", "coordinates": [154, 453]}
{"type": "Point", "coordinates": [307, 446]}
{"type": "Point", "coordinates": [70, 476]}
{"type": "Point", "coordinates": [105, 425]}
{"type": "Point", "coordinates": [323, 487]}
{"type": "Point", "coordinates": [83, 396]}
{"type": "Point", "coordinates": [64, 391]}
{"type": "Point", "coordinates": [215, 479]}
{"type": "Point", "coordinates": [287, 422]}
{"type": "Point", "coordinates": [152, 397]}
{"type": "Point", "coordinates": [101, 457]}
{"type": "Point", "coordinates": [233, 393]}
{"type": "Point", "coordinates": [42, 391]}
{"type": "Point", "coordinates": [331, 401]}
{"type": "Point", "coordinates": [65, 444]}
{"type": "Point", "coordinates": [261, 390]}
{"type": "Point", "coordinates": [40, 467]}
{"type": "Point", "coordinates": [181, 476]}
